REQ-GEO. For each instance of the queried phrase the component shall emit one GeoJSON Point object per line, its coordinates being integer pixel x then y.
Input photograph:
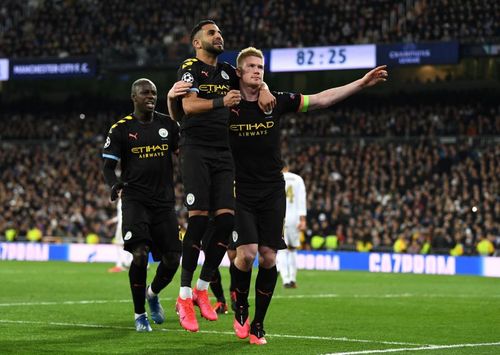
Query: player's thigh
{"type": "Point", "coordinates": [136, 224]}
{"type": "Point", "coordinates": [165, 233]}
{"type": "Point", "coordinates": [222, 179]}
{"type": "Point", "coordinates": [195, 172]}
{"type": "Point", "coordinates": [271, 218]}
{"type": "Point", "coordinates": [245, 227]}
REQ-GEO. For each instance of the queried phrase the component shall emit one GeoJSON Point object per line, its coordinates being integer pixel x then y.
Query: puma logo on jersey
{"type": "Point", "coordinates": [236, 111]}
{"type": "Point", "coordinates": [204, 73]}
{"type": "Point", "coordinates": [135, 135]}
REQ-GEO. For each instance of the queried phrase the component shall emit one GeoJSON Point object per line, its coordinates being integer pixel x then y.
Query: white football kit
{"type": "Point", "coordinates": [295, 208]}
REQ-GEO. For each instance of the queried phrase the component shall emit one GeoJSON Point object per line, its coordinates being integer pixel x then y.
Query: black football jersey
{"type": "Point", "coordinates": [145, 154]}
{"type": "Point", "coordinates": [255, 139]}
{"type": "Point", "coordinates": [209, 82]}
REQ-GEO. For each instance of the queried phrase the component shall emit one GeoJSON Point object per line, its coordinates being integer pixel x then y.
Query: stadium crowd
{"type": "Point", "coordinates": [401, 181]}
{"type": "Point", "coordinates": [115, 30]}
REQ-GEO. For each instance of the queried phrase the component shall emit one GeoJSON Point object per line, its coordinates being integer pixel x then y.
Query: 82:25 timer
{"type": "Point", "coordinates": [306, 57]}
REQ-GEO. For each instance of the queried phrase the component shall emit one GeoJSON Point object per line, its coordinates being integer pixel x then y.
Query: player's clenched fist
{"type": "Point", "coordinates": [232, 98]}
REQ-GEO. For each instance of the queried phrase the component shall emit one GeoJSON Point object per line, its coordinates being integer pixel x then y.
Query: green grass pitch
{"type": "Point", "coordinates": [71, 308]}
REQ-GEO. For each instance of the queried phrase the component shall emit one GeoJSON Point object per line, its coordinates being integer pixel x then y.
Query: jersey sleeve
{"type": "Point", "coordinates": [289, 102]}
{"type": "Point", "coordinates": [112, 146]}
{"type": "Point", "coordinates": [188, 72]}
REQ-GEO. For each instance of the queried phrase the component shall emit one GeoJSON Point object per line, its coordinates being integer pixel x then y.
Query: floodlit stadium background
{"type": "Point", "coordinates": [403, 178]}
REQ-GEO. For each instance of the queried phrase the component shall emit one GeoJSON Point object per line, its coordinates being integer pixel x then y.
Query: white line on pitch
{"type": "Point", "coordinates": [288, 336]}
{"type": "Point", "coordinates": [52, 303]}
{"type": "Point", "coordinates": [328, 295]}
{"type": "Point", "coordinates": [429, 347]}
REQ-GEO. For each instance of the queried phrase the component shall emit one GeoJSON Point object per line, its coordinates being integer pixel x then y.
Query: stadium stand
{"type": "Point", "coordinates": [421, 171]}
{"type": "Point", "coordinates": [396, 171]}
{"type": "Point", "coordinates": [115, 30]}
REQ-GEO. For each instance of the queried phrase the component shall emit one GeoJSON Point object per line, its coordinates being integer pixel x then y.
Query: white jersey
{"type": "Point", "coordinates": [295, 199]}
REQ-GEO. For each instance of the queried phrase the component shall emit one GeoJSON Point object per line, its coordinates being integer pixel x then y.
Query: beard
{"type": "Point", "coordinates": [210, 48]}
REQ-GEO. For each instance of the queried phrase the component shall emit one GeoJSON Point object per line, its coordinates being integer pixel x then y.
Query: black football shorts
{"type": "Point", "coordinates": [208, 178]}
{"type": "Point", "coordinates": [259, 216]}
{"type": "Point", "coordinates": [158, 227]}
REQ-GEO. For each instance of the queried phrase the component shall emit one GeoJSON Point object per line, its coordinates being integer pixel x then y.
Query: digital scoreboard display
{"type": "Point", "coordinates": [323, 58]}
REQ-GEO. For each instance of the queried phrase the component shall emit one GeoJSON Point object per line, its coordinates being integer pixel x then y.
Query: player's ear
{"type": "Point", "coordinates": [196, 43]}
{"type": "Point", "coordinates": [238, 72]}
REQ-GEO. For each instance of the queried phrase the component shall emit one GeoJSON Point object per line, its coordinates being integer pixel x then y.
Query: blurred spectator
{"type": "Point", "coordinates": [154, 32]}
{"type": "Point", "coordinates": [485, 246]}
{"type": "Point", "coordinates": [362, 190]}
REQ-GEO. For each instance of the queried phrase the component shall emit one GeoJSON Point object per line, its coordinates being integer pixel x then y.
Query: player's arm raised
{"type": "Point", "coordinates": [331, 96]}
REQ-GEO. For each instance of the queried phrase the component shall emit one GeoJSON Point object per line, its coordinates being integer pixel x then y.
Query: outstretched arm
{"type": "Point", "coordinates": [331, 96]}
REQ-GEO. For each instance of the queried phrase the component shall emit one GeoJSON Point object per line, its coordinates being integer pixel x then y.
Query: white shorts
{"type": "Point", "coordinates": [292, 236]}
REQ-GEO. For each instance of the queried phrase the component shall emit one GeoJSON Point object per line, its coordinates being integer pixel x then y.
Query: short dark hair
{"type": "Point", "coordinates": [140, 82]}
{"type": "Point", "coordinates": [198, 27]}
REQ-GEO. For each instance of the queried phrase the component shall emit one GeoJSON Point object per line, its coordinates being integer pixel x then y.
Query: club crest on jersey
{"type": "Point", "coordinates": [128, 235]}
{"type": "Point", "coordinates": [235, 236]}
{"type": "Point", "coordinates": [190, 199]}
{"type": "Point", "coordinates": [187, 77]}
{"type": "Point", "coordinates": [224, 75]}
{"type": "Point", "coordinates": [163, 133]}
{"type": "Point", "coordinates": [108, 142]}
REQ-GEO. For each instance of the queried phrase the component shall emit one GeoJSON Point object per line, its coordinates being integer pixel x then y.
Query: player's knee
{"type": "Point", "coordinates": [140, 255]}
{"type": "Point", "coordinates": [231, 254]}
{"type": "Point", "coordinates": [267, 257]}
{"type": "Point", "coordinates": [171, 260]}
{"type": "Point", "coordinates": [247, 254]}
{"type": "Point", "coordinates": [267, 263]}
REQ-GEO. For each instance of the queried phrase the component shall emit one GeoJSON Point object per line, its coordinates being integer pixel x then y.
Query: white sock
{"type": "Point", "coordinates": [138, 315]}
{"type": "Point", "coordinates": [125, 258]}
{"type": "Point", "coordinates": [282, 260]}
{"type": "Point", "coordinates": [185, 292]}
{"type": "Point", "coordinates": [292, 264]}
{"type": "Point", "coordinates": [150, 293]}
{"type": "Point", "coordinates": [119, 251]}
{"type": "Point", "coordinates": [202, 285]}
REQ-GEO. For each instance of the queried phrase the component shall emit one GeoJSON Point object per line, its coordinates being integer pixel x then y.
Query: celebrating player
{"type": "Point", "coordinates": [144, 142]}
{"type": "Point", "coordinates": [206, 164]}
{"type": "Point", "coordinates": [259, 184]}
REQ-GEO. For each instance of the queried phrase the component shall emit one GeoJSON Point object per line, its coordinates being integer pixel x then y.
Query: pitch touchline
{"type": "Point", "coordinates": [328, 295]}
{"type": "Point", "coordinates": [84, 325]}
{"type": "Point", "coordinates": [429, 347]}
